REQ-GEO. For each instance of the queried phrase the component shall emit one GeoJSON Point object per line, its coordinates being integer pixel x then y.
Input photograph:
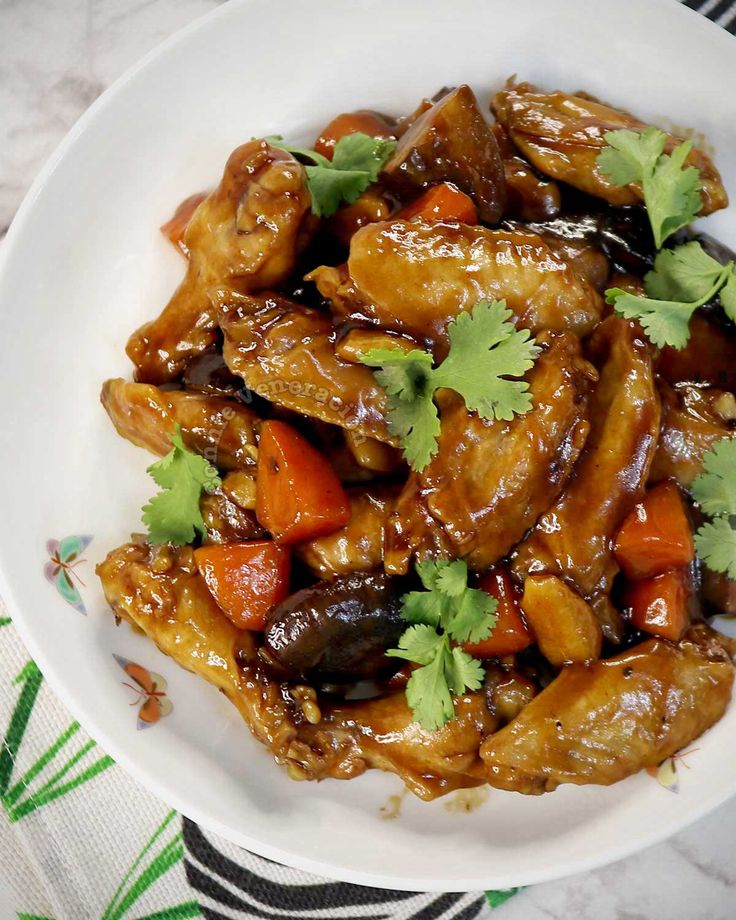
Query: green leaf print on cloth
{"type": "Point", "coordinates": [34, 788]}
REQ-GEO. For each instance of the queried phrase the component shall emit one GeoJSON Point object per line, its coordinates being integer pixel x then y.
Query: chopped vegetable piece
{"type": "Point", "coordinates": [173, 515]}
{"type": "Point", "coordinates": [175, 228]}
{"type": "Point", "coordinates": [715, 490]}
{"type": "Point", "coordinates": [298, 494]}
{"type": "Point", "coordinates": [510, 634]}
{"type": "Point", "coordinates": [656, 535]}
{"type": "Point", "coordinates": [671, 190]}
{"type": "Point", "coordinates": [485, 349]}
{"type": "Point", "coordinates": [442, 202]}
{"type": "Point", "coordinates": [362, 122]}
{"type": "Point", "coordinates": [357, 159]}
{"type": "Point", "coordinates": [447, 611]}
{"type": "Point", "coordinates": [660, 605]}
{"type": "Point", "coordinates": [246, 579]}
{"type": "Point", "coordinates": [564, 624]}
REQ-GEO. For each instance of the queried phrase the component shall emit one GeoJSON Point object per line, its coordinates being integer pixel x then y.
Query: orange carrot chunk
{"type": "Point", "coordinates": [246, 579]}
{"type": "Point", "coordinates": [656, 536]}
{"type": "Point", "coordinates": [364, 122]}
{"type": "Point", "coordinates": [298, 495]}
{"type": "Point", "coordinates": [442, 202]}
{"type": "Point", "coordinates": [660, 605]}
{"type": "Point", "coordinates": [175, 228]}
{"type": "Point", "coordinates": [510, 633]}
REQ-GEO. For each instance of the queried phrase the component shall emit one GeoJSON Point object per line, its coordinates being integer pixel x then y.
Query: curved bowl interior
{"type": "Point", "coordinates": [85, 265]}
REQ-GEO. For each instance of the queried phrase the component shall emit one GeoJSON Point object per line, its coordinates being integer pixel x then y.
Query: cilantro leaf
{"type": "Point", "coordinates": [357, 160]}
{"type": "Point", "coordinates": [682, 280]}
{"type": "Point", "coordinates": [715, 488]}
{"type": "Point", "coordinates": [485, 349]}
{"type": "Point", "coordinates": [670, 189]}
{"type": "Point", "coordinates": [715, 542]}
{"type": "Point", "coordinates": [173, 515]}
{"type": "Point", "coordinates": [727, 295]}
{"type": "Point", "coordinates": [428, 692]}
{"type": "Point", "coordinates": [446, 612]}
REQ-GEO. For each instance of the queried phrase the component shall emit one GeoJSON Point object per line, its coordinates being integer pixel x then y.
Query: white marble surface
{"type": "Point", "coordinates": [56, 56]}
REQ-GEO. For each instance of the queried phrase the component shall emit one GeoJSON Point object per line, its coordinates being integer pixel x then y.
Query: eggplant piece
{"type": "Point", "coordinates": [451, 142]}
{"type": "Point", "coordinates": [336, 630]}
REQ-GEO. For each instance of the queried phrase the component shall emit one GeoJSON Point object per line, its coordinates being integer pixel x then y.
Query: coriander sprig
{"type": "Point", "coordinates": [671, 190]}
{"type": "Point", "coordinates": [715, 491]}
{"type": "Point", "coordinates": [682, 280]}
{"type": "Point", "coordinates": [357, 160]}
{"type": "Point", "coordinates": [485, 350]}
{"type": "Point", "coordinates": [446, 612]}
{"type": "Point", "coordinates": [173, 515]}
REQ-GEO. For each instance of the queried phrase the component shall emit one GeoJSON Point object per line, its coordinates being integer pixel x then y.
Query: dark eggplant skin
{"type": "Point", "coordinates": [336, 630]}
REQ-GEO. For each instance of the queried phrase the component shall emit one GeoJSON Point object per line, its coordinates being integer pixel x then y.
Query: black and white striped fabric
{"type": "Point", "coordinates": [722, 12]}
{"type": "Point", "coordinates": [232, 884]}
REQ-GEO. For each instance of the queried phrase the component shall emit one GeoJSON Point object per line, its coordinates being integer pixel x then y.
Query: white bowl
{"type": "Point", "coordinates": [85, 264]}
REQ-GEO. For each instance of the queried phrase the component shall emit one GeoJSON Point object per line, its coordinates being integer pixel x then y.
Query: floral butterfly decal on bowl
{"type": "Point", "coordinates": [150, 691]}
{"type": "Point", "coordinates": [64, 557]}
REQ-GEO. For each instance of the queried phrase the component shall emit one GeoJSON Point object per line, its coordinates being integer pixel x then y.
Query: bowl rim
{"type": "Point", "coordinates": [97, 729]}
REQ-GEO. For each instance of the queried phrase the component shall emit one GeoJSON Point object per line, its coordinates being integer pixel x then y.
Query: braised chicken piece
{"type": "Point", "coordinates": [381, 734]}
{"type": "Point", "coordinates": [693, 419]}
{"type": "Point", "coordinates": [228, 512]}
{"type": "Point", "coordinates": [286, 353]}
{"type": "Point", "coordinates": [245, 236]}
{"type": "Point", "coordinates": [562, 134]}
{"type": "Point", "coordinates": [708, 358]}
{"type": "Point", "coordinates": [416, 277]}
{"type": "Point", "coordinates": [451, 142]}
{"type": "Point", "coordinates": [490, 480]}
{"type": "Point", "coordinates": [159, 591]}
{"type": "Point", "coordinates": [603, 722]}
{"type": "Point", "coordinates": [565, 626]}
{"type": "Point", "coordinates": [358, 546]}
{"type": "Point", "coordinates": [573, 538]}
{"type": "Point", "coordinates": [221, 430]}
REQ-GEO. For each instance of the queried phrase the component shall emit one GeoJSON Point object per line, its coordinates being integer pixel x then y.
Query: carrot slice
{"type": "Point", "coordinates": [246, 579]}
{"type": "Point", "coordinates": [175, 228]}
{"type": "Point", "coordinates": [656, 536]}
{"type": "Point", "coordinates": [350, 123]}
{"type": "Point", "coordinates": [442, 202]}
{"type": "Point", "coordinates": [298, 494]}
{"type": "Point", "coordinates": [510, 633]}
{"type": "Point", "coordinates": [660, 605]}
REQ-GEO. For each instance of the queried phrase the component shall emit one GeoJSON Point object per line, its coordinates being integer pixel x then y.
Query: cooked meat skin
{"type": "Point", "coordinates": [603, 722]}
{"type": "Point", "coordinates": [160, 591]}
{"type": "Point", "coordinates": [245, 236]}
{"type": "Point", "coordinates": [221, 430]}
{"type": "Point", "coordinates": [451, 142]}
{"type": "Point", "coordinates": [415, 277]}
{"type": "Point", "coordinates": [358, 546]}
{"type": "Point", "coordinates": [528, 197]}
{"type": "Point", "coordinates": [573, 538]}
{"type": "Point", "coordinates": [562, 134]}
{"type": "Point", "coordinates": [490, 480]}
{"type": "Point", "coordinates": [286, 353]}
{"type": "Point", "coordinates": [381, 734]}
{"type": "Point", "coordinates": [691, 424]}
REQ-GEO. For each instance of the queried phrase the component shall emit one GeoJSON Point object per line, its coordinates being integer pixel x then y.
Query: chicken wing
{"type": "Point", "coordinates": [573, 539]}
{"type": "Point", "coordinates": [416, 277]}
{"type": "Point", "coordinates": [245, 236]}
{"type": "Point", "coordinates": [381, 734]}
{"type": "Point", "coordinates": [693, 419]}
{"type": "Point", "coordinates": [221, 430]}
{"type": "Point", "coordinates": [490, 480]}
{"type": "Point", "coordinates": [562, 134]}
{"type": "Point", "coordinates": [286, 353]}
{"type": "Point", "coordinates": [603, 722]}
